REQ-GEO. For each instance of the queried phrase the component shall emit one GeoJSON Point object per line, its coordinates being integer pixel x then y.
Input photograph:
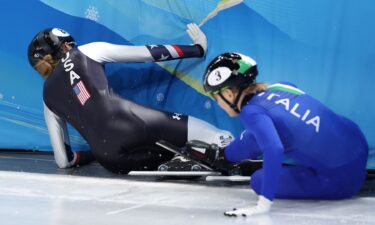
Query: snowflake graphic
{"type": "Point", "coordinates": [208, 104]}
{"type": "Point", "coordinates": [92, 13]}
{"type": "Point", "coordinates": [160, 97]}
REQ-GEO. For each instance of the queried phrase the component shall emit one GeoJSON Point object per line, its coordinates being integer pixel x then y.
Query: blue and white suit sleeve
{"type": "Point", "coordinates": [59, 137]}
{"type": "Point", "coordinates": [104, 52]}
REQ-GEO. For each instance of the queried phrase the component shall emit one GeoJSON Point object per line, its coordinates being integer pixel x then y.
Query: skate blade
{"type": "Point", "coordinates": [174, 173]}
{"type": "Point", "coordinates": [228, 178]}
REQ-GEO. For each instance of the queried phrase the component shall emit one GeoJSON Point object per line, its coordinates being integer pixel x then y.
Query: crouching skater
{"type": "Point", "coordinates": [326, 153]}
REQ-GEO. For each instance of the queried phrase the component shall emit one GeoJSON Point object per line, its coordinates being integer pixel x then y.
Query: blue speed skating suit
{"type": "Point", "coordinates": [326, 152]}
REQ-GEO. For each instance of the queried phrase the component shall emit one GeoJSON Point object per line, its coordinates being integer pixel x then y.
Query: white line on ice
{"type": "Point", "coordinates": [126, 209]}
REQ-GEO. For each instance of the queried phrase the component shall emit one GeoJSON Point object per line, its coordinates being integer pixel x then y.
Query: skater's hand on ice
{"type": "Point", "coordinates": [197, 35]}
{"type": "Point", "coordinates": [263, 206]}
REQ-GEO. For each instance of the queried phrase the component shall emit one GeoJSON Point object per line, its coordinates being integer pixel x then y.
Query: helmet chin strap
{"type": "Point", "coordinates": [246, 99]}
{"type": "Point", "coordinates": [235, 103]}
{"type": "Point", "coordinates": [60, 52]}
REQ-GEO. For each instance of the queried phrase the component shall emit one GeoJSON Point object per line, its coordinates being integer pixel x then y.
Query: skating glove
{"type": "Point", "coordinates": [263, 206]}
{"type": "Point", "coordinates": [197, 35]}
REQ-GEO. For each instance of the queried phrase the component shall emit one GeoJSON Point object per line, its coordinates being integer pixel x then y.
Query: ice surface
{"type": "Point", "coordinates": [30, 195]}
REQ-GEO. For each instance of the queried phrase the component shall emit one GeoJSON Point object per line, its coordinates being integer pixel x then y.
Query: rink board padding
{"type": "Point", "coordinates": [43, 162]}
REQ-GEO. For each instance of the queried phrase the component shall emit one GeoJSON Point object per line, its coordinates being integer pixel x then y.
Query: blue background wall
{"type": "Point", "coordinates": [325, 47]}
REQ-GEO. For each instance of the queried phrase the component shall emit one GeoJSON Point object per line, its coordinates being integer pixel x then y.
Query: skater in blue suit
{"type": "Point", "coordinates": [326, 152]}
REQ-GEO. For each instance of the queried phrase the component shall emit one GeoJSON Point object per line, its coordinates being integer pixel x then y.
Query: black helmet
{"type": "Point", "coordinates": [48, 41]}
{"type": "Point", "coordinates": [229, 70]}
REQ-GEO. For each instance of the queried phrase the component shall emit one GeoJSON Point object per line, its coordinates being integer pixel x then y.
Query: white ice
{"type": "Point", "coordinates": [55, 199]}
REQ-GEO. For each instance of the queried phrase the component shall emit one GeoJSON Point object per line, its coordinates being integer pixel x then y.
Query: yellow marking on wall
{"type": "Point", "coordinates": [222, 5]}
{"type": "Point", "coordinates": [185, 78]}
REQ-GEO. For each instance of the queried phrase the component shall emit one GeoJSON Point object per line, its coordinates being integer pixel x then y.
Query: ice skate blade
{"type": "Point", "coordinates": [228, 178]}
{"type": "Point", "coordinates": [174, 173]}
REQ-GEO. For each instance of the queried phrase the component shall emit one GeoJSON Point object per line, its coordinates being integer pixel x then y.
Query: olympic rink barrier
{"type": "Point", "coordinates": [324, 47]}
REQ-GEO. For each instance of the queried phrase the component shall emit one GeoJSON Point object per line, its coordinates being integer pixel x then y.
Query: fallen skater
{"type": "Point", "coordinates": [120, 133]}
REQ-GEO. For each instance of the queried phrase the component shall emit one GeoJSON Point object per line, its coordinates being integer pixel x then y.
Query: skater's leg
{"type": "Point", "coordinates": [137, 159]}
{"type": "Point", "coordinates": [203, 131]}
{"type": "Point", "coordinates": [178, 129]}
{"type": "Point", "coordinates": [297, 182]}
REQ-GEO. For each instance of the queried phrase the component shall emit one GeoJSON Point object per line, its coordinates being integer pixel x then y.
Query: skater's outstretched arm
{"type": "Point", "coordinates": [104, 52]}
{"type": "Point", "coordinates": [64, 156]}
{"type": "Point", "coordinates": [263, 130]}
